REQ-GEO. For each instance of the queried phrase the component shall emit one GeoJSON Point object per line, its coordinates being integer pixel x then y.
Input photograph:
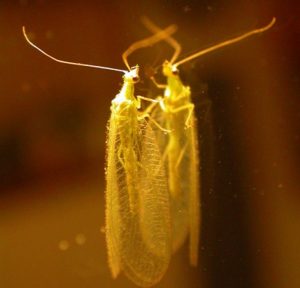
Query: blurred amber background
{"type": "Point", "coordinates": [53, 127]}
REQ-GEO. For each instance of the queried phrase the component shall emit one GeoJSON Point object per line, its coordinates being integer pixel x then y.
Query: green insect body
{"type": "Point", "coordinates": [148, 213]}
{"type": "Point", "coordinates": [180, 154]}
{"type": "Point", "coordinates": [180, 147]}
{"type": "Point", "coordinates": [137, 212]}
{"type": "Point", "coordinates": [138, 229]}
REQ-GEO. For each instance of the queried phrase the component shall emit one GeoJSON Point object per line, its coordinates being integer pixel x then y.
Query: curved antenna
{"type": "Point", "coordinates": [148, 42]}
{"type": "Point", "coordinates": [226, 43]}
{"type": "Point", "coordinates": [170, 40]}
{"type": "Point", "coordinates": [68, 62]}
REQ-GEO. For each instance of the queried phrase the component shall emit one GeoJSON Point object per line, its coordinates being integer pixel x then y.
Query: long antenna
{"type": "Point", "coordinates": [68, 62]}
{"type": "Point", "coordinates": [170, 40]}
{"type": "Point", "coordinates": [148, 42]}
{"type": "Point", "coordinates": [226, 43]}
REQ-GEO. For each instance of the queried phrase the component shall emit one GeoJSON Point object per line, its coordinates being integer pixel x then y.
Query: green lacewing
{"type": "Point", "coordinates": [180, 147]}
{"type": "Point", "coordinates": [138, 230]}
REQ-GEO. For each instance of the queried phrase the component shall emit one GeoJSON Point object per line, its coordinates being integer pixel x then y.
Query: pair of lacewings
{"type": "Point", "coordinates": [152, 172]}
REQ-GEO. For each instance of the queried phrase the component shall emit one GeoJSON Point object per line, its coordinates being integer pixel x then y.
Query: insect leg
{"type": "Point", "coordinates": [154, 102]}
{"type": "Point", "coordinates": [163, 158]}
{"type": "Point", "coordinates": [146, 115]}
{"type": "Point", "coordinates": [180, 156]}
{"type": "Point", "coordinates": [158, 85]}
{"type": "Point", "coordinates": [190, 107]}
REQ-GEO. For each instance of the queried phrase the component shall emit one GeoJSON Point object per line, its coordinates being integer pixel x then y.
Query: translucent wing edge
{"type": "Point", "coordinates": [145, 183]}
{"type": "Point", "coordinates": [111, 212]}
{"type": "Point", "coordinates": [194, 196]}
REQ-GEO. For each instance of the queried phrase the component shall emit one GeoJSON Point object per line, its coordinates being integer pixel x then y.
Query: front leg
{"type": "Point", "coordinates": [190, 107]}
{"type": "Point", "coordinates": [147, 115]}
{"type": "Point", "coordinates": [154, 102]}
{"type": "Point", "coordinates": [158, 85]}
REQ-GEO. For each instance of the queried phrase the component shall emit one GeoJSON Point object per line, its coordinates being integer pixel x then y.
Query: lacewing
{"type": "Point", "coordinates": [180, 147]}
{"type": "Point", "coordinates": [138, 230]}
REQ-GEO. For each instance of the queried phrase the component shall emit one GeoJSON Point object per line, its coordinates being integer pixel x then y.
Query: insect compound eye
{"type": "Point", "coordinates": [136, 79]}
{"type": "Point", "coordinates": [175, 72]}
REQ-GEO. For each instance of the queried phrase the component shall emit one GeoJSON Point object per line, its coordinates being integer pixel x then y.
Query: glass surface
{"type": "Point", "coordinates": [53, 121]}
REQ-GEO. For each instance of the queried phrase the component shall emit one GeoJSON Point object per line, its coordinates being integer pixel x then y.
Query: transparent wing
{"type": "Point", "coordinates": [142, 203]}
{"type": "Point", "coordinates": [155, 203]}
{"type": "Point", "coordinates": [190, 172]}
{"type": "Point", "coordinates": [171, 146]}
{"type": "Point", "coordinates": [180, 153]}
{"type": "Point", "coordinates": [113, 220]}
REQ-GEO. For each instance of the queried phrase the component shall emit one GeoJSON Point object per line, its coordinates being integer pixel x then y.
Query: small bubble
{"type": "Point", "coordinates": [80, 239]}
{"type": "Point", "coordinates": [63, 245]}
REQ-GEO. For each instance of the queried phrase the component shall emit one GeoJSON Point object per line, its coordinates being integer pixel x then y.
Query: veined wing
{"type": "Point", "coordinates": [180, 152]}
{"type": "Point", "coordinates": [112, 211]}
{"type": "Point", "coordinates": [189, 170]}
{"type": "Point", "coordinates": [171, 146]}
{"type": "Point", "coordinates": [142, 240]}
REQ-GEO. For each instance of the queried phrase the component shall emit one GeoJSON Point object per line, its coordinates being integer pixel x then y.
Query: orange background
{"type": "Point", "coordinates": [53, 128]}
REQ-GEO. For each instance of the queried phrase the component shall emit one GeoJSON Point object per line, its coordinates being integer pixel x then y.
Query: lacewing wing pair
{"type": "Point", "coordinates": [152, 167]}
